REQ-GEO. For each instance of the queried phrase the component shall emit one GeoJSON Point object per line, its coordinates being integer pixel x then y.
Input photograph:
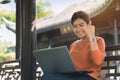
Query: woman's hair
{"type": "Point", "coordinates": [80, 14]}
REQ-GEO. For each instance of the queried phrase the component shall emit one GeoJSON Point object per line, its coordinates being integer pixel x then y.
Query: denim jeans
{"type": "Point", "coordinates": [52, 76]}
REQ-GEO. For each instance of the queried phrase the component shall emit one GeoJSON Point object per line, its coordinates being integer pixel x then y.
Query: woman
{"type": "Point", "coordinates": [89, 51]}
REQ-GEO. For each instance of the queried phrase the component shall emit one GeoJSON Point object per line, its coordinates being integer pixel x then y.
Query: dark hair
{"type": "Point", "coordinates": [80, 14]}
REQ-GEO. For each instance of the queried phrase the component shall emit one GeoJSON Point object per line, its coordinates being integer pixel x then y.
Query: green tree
{"type": "Point", "coordinates": [3, 55]}
{"type": "Point", "coordinates": [42, 9]}
{"type": "Point", "coordinates": [10, 15]}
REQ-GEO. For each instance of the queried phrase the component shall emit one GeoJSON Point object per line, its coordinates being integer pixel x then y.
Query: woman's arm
{"type": "Point", "coordinates": [97, 46]}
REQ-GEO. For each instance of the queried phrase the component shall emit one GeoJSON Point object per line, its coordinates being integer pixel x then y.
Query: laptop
{"type": "Point", "coordinates": [56, 60]}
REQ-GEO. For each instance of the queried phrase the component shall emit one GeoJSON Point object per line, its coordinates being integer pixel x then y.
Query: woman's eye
{"type": "Point", "coordinates": [81, 25]}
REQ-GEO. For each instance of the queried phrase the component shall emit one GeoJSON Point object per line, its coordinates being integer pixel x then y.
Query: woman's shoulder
{"type": "Point", "coordinates": [75, 42]}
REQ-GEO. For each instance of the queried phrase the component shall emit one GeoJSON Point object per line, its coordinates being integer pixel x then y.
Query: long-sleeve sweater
{"type": "Point", "coordinates": [85, 59]}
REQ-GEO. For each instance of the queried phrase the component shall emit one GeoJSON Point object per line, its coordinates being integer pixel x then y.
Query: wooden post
{"type": "Point", "coordinates": [27, 60]}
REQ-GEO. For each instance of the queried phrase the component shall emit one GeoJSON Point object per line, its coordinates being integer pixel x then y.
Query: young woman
{"type": "Point", "coordinates": [89, 51]}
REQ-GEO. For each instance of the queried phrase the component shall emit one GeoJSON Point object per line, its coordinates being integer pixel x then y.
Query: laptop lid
{"type": "Point", "coordinates": [55, 60]}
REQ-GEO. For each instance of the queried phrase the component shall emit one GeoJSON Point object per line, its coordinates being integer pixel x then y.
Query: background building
{"type": "Point", "coordinates": [105, 15]}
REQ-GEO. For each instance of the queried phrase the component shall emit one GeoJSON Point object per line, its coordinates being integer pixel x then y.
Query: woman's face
{"type": "Point", "coordinates": [79, 28]}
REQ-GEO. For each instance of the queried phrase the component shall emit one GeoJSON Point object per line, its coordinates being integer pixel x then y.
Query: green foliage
{"type": "Point", "coordinates": [3, 46]}
{"type": "Point", "coordinates": [10, 15]}
{"type": "Point", "coordinates": [3, 55]}
{"type": "Point", "coordinates": [42, 9]}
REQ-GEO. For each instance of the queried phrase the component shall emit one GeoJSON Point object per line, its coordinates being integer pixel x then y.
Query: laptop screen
{"type": "Point", "coordinates": [55, 60]}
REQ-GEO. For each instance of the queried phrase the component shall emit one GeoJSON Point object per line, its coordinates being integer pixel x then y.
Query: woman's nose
{"type": "Point", "coordinates": [78, 28]}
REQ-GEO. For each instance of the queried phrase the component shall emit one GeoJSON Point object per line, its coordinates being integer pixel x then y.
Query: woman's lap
{"type": "Point", "coordinates": [65, 77]}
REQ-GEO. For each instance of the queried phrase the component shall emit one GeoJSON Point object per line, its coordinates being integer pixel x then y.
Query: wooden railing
{"type": "Point", "coordinates": [11, 70]}
{"type": "Point", "coordinates": [111, 64]}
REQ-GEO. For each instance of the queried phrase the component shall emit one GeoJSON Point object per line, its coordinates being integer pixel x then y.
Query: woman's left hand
{"type": "Point", "coordinates": [90, 30]}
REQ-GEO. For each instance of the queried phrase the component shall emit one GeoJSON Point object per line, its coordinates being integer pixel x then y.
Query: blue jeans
{"type": "Point", "coordinates": [52, 76]}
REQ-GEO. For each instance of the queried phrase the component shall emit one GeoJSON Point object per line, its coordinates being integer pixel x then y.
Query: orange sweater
{"type": "Point", "coordinates": [84, 59]}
